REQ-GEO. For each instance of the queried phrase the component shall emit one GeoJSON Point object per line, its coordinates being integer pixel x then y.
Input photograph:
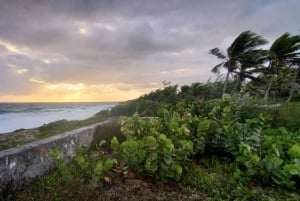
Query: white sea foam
{"type": "Point", "coordinates": [12, 121]}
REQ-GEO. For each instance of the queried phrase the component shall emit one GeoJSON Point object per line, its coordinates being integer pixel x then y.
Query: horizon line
{"type": "Point", "coordinates": [64, 101]}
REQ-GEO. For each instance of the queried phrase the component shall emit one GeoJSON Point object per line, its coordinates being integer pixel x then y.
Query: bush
{"type": "Point", "coordinates": [164, 146]}
{"type": "Point", "coordinates": [148, 150]}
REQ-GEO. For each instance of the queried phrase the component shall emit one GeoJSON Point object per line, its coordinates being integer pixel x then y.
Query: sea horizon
{"type": "Point", "coordinates": [17, 115]}
{"type": "Point", "coordinates": [66, 102]}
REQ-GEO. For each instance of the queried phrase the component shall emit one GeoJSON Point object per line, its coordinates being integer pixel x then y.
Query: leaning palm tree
{"type": "Point", "coordinates": [284, 52]}
{"type": "Point", "coordinates": [296, 74]}
{"type": "Point", "coordinates": [250, 65]}
{"type": "Point", "coordinates": [241, 46]}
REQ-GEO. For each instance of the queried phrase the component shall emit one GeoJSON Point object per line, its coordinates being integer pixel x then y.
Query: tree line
{"type": "Point", "coordinates": [262, 72]}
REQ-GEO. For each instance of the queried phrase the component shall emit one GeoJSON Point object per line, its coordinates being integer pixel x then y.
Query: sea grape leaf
{"type": "Point", "coordinates": [294, 151]}
{"type": "Point", "coordinates": [292, 169]}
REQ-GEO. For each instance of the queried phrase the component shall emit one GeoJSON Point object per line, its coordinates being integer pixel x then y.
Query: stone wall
{"type": "Point", "coordinates": [20, 165]}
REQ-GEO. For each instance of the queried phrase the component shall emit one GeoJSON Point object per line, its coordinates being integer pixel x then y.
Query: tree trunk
{"type": "Point", "coordinates": [239, 80]}
{"type": "Point", "coordinates": [270, 83]}
{"type": "Point", "coordinates": [225, 83]}
{"type": "Point", "coordinates": [269, 88]}
{"type": "Point", "coordinates": [293, 85]}
{"type": "Point", "coordinates": [236, 84]}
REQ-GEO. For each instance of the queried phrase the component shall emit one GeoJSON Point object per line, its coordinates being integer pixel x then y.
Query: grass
{"type": "Point", "coordinates": [24, 136]}
{"type": "Point", "coordinates": [62, 126]}
{"type": "Point", "coordinates": [208, 180]}
{"type": "Point", "coordinates": [215, 180]}
{"type": "Point", "coordinates": [288, 116]}
{"type": "Point", "coordinates": [284, 115]}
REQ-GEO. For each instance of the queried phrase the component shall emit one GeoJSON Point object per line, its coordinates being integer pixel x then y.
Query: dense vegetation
{"type": "Point", "coordinates": [204, 143]}
{"type": "Point", "coordinates": [234, 148]}
{"type": "Point", "coordinates": [263, 73]}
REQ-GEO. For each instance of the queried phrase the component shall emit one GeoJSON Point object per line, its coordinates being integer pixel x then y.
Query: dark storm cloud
{"type": "Point", "coordinates": [127, 41]}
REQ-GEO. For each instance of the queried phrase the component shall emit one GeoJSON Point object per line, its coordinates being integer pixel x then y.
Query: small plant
{"type": "Point", "coordinates": [64, 170]}
{"type": "Point", "coordinates": [91, 168]}
{"type": "Point", "coordinates": [147, 149]}
{"type": "Point", "coordinates": [165, 145]}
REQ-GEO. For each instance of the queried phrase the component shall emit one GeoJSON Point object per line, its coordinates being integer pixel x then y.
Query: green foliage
{"type": "Point", "coordinates": [287, 115]}
{"type": "Point", "coordinates": [223, 148]}
{"type": "Point", "coordinates": [294, 151]}
{"type": "Point", "coordinates": [275, 161]}
{"type": "Point", "coordinates": [89, 166]}
{"type": "Point", "coordinates": [167, 95]}
{"type": "Point", "coordinates": [61, 126]}
{"type": "Point", "coordinates": [202, 91]}
{"type": "Point", "coordinates": [216, 180]}
{"type": "Point", "coordinates": [150, 149]}
{"type": "Point", "coordinates": [241, 55]}
{"type": "Point", "coordinates": [163, 146]}
{"type": "Point", "coordinates": [64, 171]}
{"type": "Point", "coordinates": [124, 108]}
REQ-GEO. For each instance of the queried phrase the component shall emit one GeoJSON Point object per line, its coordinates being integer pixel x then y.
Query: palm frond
{"type": "Point", "coordinates": [285, 48]}
{"type": "Point", "coordinates": [216, 69]}
{"type": "Point", "coordinates": [244, 43]}
{"type": "Point", "coordinates": [217, 52]}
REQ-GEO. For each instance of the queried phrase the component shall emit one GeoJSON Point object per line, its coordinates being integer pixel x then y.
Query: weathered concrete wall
{"type": "Point", "coordinates": [22, 164]}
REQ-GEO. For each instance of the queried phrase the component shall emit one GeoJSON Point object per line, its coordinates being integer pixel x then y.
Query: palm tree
{"type": "Point", "coordinates": [283, 52]}
{"type": "Point", "coordinates": [246, 42]}
{"type": "Point", "coordinates": [294, 80]}
{"type": "Point", "coordinates": [250, 64]}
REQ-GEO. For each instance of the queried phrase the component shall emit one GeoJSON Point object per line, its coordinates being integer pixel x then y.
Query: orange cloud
{"type": "Point", "coordinates": [77, 92]}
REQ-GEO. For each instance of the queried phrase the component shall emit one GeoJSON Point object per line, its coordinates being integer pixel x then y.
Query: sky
{"type": "Point", "coordinates": [116, 50]}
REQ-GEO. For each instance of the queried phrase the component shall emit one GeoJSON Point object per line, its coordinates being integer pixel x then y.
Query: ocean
{"type": "Point", "coordinates": [15, 116]}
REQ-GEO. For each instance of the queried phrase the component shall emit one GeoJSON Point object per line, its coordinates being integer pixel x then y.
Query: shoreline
{"type": "Point", "coordinates": [28, 116]}
{"type": "Point", "coordinates": [23, 136]}
{"type": "Point", "coordinates": [18, 137]}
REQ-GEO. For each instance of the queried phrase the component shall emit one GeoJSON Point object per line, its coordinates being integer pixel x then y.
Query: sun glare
{"type": "Point", "coordinates": [78, 92]}
{"type": "Point", "coordinates": [82, 31]}
{"type": "Point", "coordinates": [10, 47]}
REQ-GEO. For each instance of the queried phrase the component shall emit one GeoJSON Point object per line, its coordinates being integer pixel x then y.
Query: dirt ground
{"type": "Point", "coordinates": [119, 186]}
{"type": "Point", "coordinates": [129, 187]}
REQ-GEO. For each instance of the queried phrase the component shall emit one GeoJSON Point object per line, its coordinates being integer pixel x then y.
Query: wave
{"type": "Point", "coordinates": [17, 116]}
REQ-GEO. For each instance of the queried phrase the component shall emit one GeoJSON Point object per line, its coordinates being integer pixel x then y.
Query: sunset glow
{"type": "Point", "coordinates": [66, 92]}
{"type": "Point", "coordinates": [74, 51]}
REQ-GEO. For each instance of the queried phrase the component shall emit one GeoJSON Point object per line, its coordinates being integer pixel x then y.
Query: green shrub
{"type": "Point", "coordinates": [164, 146]}
{"type": "Point", "coordinates": [288, 116]}
{"type": "Point", "coordinates": [89, 167]}
{"type": "Point", "coordinates": [147, 149]}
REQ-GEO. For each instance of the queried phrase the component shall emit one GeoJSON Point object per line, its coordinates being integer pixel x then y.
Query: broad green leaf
{"type": "Point", "coordinates": [204, 125]}
{"type": "Point", "coordinates": [297, 161]}
{"type": "Point", "coordinates": [151, 165]}
{"type": "Point", "coordinates": [114, 144]}
{"type": "Point", "coordinates": [168, 147]}
{"type": "Point", "coordinates": [99, 167]}
{"type": "Point", "coordinates": [108, 164]}
{"type": "Point", "coordinates": [275, 150]}
{"type": "Point", "coordinates": [178, 169]}
{"type": "Point", "coordinates": [255, 158]}
{"type": "Point", "coordinates": [294, 151]}
{"type": "Point", "coordinates": [173, 125]}
{"type": "Point", "coordinates": [162, 138]}
{"type": "Point", "coordinates": [168, 160]}
{"type": "Point", "coordinates": [227, 109]}
{"type": "Point", "coordinates": [151, 142]}
{"type": "Point", "coordinates": [292, 169]}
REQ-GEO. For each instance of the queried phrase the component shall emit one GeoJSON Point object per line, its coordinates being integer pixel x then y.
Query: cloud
{"type": "Point", "coordinates": [134, 43]}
